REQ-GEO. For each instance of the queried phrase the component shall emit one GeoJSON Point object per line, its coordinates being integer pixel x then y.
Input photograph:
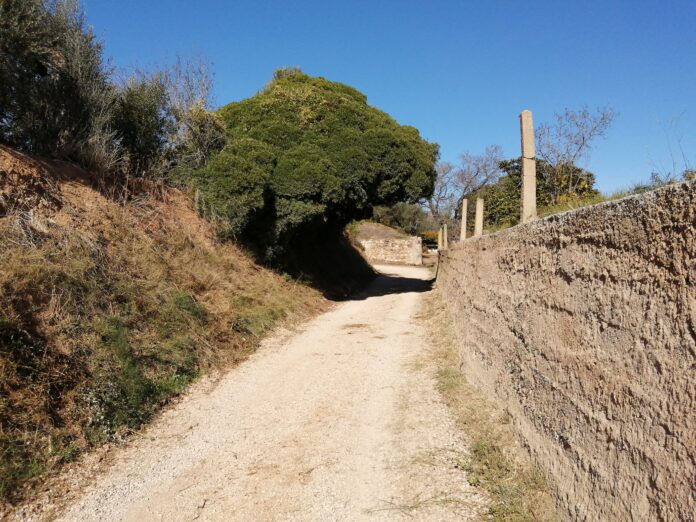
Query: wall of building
{"type": "Point", "coordinates": [583, 326]}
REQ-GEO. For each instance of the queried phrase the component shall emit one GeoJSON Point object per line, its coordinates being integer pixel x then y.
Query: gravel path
{"type": "Point", "coordinates": [341, 421]}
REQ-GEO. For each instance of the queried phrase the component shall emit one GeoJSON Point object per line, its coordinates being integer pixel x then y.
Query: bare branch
{"type": "Point", "coordinates": [456, 182]}
{"type": "Point", "coordinates": [443, 198]}
{"type": "Point", "coordinates": [568, 141]}
{"type": "Point", "coordinates": [189, 82]}
{"type": "Point", "coordinates": [478, 171]}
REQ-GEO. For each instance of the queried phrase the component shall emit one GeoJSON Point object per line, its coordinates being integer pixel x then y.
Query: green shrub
{"type": "Point", "coordinates": [502, 199]}
{"type": "Point", "coordinates": [121, 393]}
{"type": "Point", "coordinates": [143, 123]}
{"type": "Point", "coordinates": [408, 217]}
{"type": "Point", "coordinates": [54, 87]}
{"type": "Point", "coordinates": [306, 154]}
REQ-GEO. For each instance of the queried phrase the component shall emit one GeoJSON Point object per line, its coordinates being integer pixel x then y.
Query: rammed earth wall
{"type": "Point", "coordinates": [583, 325]}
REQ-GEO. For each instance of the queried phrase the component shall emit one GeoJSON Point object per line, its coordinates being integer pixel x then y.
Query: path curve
{"type": "Point", "coordinates": [341, 421]}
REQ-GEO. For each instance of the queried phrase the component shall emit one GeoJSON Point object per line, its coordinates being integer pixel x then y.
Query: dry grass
{"type": "Point", "coordinates": [109, 310]}
{"type": "Point", "coordinates": [516, 488]}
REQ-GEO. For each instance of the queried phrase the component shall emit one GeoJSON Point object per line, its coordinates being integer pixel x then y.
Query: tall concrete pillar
{"type": "Point", "coordinates": [529, 211]}
{"type": "Point", "coordinates": [445, 240]}
{"type": "Point", "coordinates": [462, 232]}
{"type": "Point", "coordinates": [439, 239]}
{"type": "Point", "coordinates": [478, 222]}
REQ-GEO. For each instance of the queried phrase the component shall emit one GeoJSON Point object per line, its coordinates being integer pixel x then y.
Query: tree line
{"type": "Point", "coordinates": [560, 145]}
{"type": "Point", "coordinates": [301, 158]}
{"type": "Point", "coordinates": [60, 99]}
{"type": "Point", "coordinates": [303, 154]}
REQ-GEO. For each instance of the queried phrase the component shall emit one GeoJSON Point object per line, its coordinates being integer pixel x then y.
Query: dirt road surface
{"type": "Point", "coordinates": [340, 421]}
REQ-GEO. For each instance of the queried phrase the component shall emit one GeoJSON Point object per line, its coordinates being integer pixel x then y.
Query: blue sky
{"type": "Point", "coordinates": [459, 71]}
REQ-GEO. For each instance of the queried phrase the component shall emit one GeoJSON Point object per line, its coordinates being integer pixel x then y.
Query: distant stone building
{"type": "Point", "coordinates": [385, 245]}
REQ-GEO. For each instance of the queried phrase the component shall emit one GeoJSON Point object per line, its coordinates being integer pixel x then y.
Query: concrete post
{"type": "Point", "coordinates": [439, 239]}
{"type": "Point", "coordinates": [478, 222]}
{"type": "Point", "coordinates": [529, 212]}
{"type": "Point", "coordinates": [445, 240]}
{"type": "Point", "coordinates": [462, 233]}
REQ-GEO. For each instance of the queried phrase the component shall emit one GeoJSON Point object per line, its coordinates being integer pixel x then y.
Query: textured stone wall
{"type": "Point", "coordinates": [583, 326]}
{"type": "Point", "coordinates": [406, 251]}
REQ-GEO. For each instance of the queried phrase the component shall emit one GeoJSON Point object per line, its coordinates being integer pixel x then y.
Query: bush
{"type": "Point", "coordinates": [203, 134]}
{"type": "Point", "coordinates": [57, 98]}
{"type": "Point", "coordinates": [408, 217]}
{"type": "Point", "coordinates": [307, 154]}
{"type": "Point", "coordinates": [143, 123]}
{"type": "Point", "coordinates": [55, 94]}
{"type": "Point", "coordinates": [502, 199]}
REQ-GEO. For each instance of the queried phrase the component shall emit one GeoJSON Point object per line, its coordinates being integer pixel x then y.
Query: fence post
{"type": "Point", "coordinates": [439, 239]}
{"type": "Point", "coordinates": [528, 197]}
{"type": "Point", "coordinates": [462, 233]}
{"type": "Point", "coordinates": [445, 241]}
{"type": "Point", "coordinates": [478, 222]}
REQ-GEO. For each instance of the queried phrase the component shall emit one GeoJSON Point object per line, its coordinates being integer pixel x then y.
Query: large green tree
{"type": "Point", "coordinates": [307, 155]}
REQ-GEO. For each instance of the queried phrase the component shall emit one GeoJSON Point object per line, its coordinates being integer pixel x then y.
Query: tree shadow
{"type": "Point", "coordinates": [389, 284]}
{"type": "Point", "coordinates": [324, 259]}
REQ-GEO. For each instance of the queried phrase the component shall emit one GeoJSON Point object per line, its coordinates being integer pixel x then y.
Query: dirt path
{"type": "Point", "coordinates": [342, 421]}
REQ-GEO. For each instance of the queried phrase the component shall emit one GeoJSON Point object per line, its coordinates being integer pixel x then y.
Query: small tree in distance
{"type": "Point", "coordinates": [566, 143]}
{"type": "Point", "coordinates": [454, 183]}
{"type": "Point", "coordinates": [443, 199]}
{"type": "Point", "coordinates": [479, 171]}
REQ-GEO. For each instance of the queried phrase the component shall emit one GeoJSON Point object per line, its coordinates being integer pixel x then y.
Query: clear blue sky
{"type": "Point", "coordinates": [458, 71]}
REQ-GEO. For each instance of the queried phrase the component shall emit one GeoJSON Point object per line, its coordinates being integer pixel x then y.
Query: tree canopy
{"type": "Point", "coordinates": [307, 153]}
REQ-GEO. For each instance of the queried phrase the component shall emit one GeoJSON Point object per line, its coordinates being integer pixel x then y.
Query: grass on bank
{"type": "Point", "coordinates": [106, 312]}
{"type": "Point", "coordinates": [517, 490]}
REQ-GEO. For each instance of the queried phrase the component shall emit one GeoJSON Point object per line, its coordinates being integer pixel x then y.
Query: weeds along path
{"type": "Point", "coordinates": [342, 421]}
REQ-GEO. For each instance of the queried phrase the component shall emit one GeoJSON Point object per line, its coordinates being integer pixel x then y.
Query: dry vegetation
{"type": "Point", "coordinates": [517, 489]}
{"type": "Point", "coordinates": [109, 309]}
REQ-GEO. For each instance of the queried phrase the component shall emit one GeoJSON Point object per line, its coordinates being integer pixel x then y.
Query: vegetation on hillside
{"type": "Point", "coordinates": [305, 156]}
{"type": "Point", "coordinates": [107, 310]}
{"type": "Point", "coordinates": [110, 303]}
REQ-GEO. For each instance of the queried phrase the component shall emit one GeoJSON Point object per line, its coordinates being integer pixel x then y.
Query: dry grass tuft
{"type": "Point", "coordinates": [517, 489]}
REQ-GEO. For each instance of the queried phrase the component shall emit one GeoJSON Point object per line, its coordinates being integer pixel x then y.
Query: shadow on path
{"type": "Point", "coordinates": [387, 284]}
